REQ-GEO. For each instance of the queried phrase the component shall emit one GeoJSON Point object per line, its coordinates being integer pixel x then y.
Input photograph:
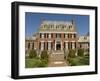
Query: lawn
{"type": "Point", "coordinates": [78, 60]}
{"type": "Point", "coordinates": [35, 62]}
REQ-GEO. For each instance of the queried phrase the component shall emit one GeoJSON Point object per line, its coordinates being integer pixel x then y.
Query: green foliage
{"type": "Point", "coordinates": [43, 63]}
{"type": "Point", "coordinates": [80, 52]}
{"type": "Point", "coordinates": [44, 55]}
{"type": "Point", "coordinates": [79, 60]}
{"type": "Point", "coordinates": [32, 54]}
{"type": "Point", "coordinates": [71, 53]}
{"type": "Point", "coordinates": [32, 63]}
{"type": "Point", "coordinates": [85, 60]}
{"type": "Point", "coordinates": [87, 54]}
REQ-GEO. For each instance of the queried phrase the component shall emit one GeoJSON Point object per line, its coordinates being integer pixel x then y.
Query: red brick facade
{"type": "Point", "coordinates": [56, 37]}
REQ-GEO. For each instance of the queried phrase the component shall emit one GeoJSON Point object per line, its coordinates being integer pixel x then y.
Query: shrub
{"type": "Point", "coordinates": [71, 53]}
{"type": "Point", "coordinates": [32, 54]}
{"type": "Point", "coordinates": [87, 54]}
{"type": "Point", "coordinates": [44, 61]}
{"type": "Point", "coordinates": [44, 55]}
{"type": "Point", "coordinates": [42, 64]}
{"type": "Point", "coordinates": [80, 52]}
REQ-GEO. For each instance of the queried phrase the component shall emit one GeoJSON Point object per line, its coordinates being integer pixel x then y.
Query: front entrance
{"type": "Point", "coordinates": [58, 46]}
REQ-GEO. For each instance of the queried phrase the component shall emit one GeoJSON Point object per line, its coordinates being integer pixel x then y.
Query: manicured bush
{"type": "Point", "coordinates": [44, 61]}
{"type": "Point", "coordinates": [71, 53]}
{"type": "Point", "coordinates": [32, 54]}
{"type": "Point", "coordinates": [42, 64]}
{"type": "Point", "coordinates": [85, 60]}
{"type": "Point", "coordinates": [87, 54]}
{"type": "Point", "coordinates": [32, 63]}
{"type": "Point", "coordinates": [44, 55]}
{"type": "Point", "coordinates": [80, 52]}
{"type": "Point", "coordinates": [79, 60]}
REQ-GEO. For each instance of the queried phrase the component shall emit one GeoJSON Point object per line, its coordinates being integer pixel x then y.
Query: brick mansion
{"type": "Point", "coordinates": [57, 35]}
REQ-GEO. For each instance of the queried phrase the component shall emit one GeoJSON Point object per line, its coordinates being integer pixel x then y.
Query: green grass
{"type": "Point", "coordinates": [79, 60]}
{"type": "Point", "coordinates": [35, 62]}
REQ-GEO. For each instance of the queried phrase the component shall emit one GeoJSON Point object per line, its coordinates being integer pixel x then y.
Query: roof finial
{"type": "Point", "coordinates": [73, 21]}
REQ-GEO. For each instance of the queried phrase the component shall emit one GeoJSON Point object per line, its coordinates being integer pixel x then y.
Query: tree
{"type": "Point", "coordinates": [80, 52]}
{"type": "Point", "coordinates": [32, 54]}
{"type": "Point", "coordinates": [71, 53]}
{"type": "Point", "coordinates": [44, 55]}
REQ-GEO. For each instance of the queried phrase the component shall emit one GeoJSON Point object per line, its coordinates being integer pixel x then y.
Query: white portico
{"type": "Point", "coordinates": [58, 45]}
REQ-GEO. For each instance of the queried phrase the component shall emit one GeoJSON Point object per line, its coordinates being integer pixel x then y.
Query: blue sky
{"type": "Point", "coordinates": [33, 21]}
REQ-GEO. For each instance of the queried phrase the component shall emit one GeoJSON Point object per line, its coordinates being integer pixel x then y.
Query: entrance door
{"type": "Point", "coordinates": [58, 46]}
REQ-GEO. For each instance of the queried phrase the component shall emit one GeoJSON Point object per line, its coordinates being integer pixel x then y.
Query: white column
{"type": "Point", "coordinates": [42, 35]}
{"type": "Point", "coordinates": [55, 45]}
{"type": "Point", "coordinates": [73, 44]}
{"type": "Point", "coordinates": [66, 44]}
{"type": "Point", "coordinates": [42, 45]}
{"type": "Point", "coordinates": [72, 35]}
{"type": "Point", "coordinates": [66, 35]}
{"type": "Point", "coordinates": [49, 35]}
{"type": "Point", "coordinates": [49, 45]}
{"type": "Point", "coordinates": [61, 46]}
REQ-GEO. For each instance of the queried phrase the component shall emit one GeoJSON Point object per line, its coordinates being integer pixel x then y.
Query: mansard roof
{"type": "Point", "coordinates": [57, 22]}
{"type": "Point", "coordinates": [31, 38]}
{"type": "Point", "coordinates": [83, 39]}
{"type": "Point", "coordinates": [62, 26]}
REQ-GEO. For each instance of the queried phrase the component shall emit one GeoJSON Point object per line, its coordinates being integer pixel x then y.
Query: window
{"type": "Point", "coordinates": [85, 38]}
{"type": "Point", "coordinates": [74, 35]}
{"type": "Point", "coordinates": [80, 45]}
{"type": "Point", "coordinates": [49, 35]}
{"type": "Point", "coordinates": [66, 35]}
{"type": "Point", "coordinates": [69, 45]}
{"type": "Point", "coordinates": [58, 35]}
{"type": "Point", "coordinates": [75, 45]}
{"type": "Point", "coordinates": [49, 45]}
{"type": "Point", "coordinates": [42, 35]}
{"type": "Point", "coordinates": [39, 45]}
{"type": "Point", "coordinates": [42, 45]}
{"type": "Point", "coordinates": [70, 27]}
{"type": "Point", "coordinates": [28, 45]}
{"type": "Point", "coordinates": [33, 46]}
{"type": "Point", "coordinates": [70, 35]}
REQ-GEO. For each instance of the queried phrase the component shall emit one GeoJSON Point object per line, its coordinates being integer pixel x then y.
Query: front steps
{"type": "Point", "coordinates": [56, 58]}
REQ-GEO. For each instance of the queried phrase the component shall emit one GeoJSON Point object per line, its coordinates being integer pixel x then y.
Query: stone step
{"type": "Point", "coordinates": [57, 64]}
{"type": "Point", "coordinates": [58, 52]}
{"type": "Point", "coordinates": [56, 57]}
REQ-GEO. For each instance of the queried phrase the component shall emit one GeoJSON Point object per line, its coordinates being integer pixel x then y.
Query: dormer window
{"type": "Point", "coordinates": [85, 38]}
{"type": "Point", "coordinates": [69, 26]}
